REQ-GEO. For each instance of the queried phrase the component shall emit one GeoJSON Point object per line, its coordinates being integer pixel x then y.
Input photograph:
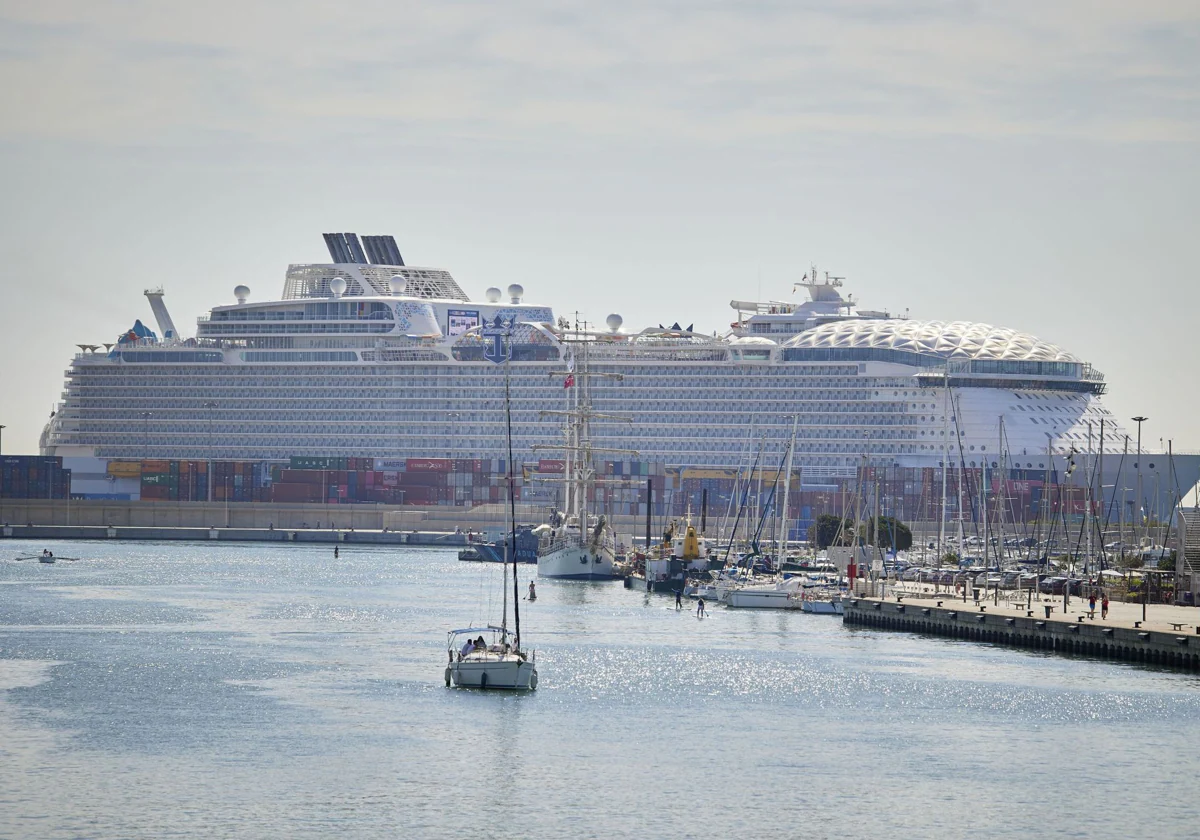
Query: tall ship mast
{"type": "Point", "coordinates": [577, 543]}
{"type": "Point", "coordinates": [368, 357]}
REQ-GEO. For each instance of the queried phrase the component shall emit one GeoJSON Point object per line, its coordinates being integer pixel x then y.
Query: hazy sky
{"type": "Point", "coordinates": [1028, 164]}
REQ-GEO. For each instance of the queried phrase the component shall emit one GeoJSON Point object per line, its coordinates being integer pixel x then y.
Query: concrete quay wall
{"type": "Point", "coordinates": [1018, 628]}
{"type": "Point", "coordinates": [170, 534]}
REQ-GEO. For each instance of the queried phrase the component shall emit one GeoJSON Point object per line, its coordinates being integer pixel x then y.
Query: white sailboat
{"type": "Point", "coordinates": [497, 660]}
{"type": "Point", "coordinates": [491, 662]}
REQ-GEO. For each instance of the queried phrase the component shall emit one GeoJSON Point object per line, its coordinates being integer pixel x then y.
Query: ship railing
{"type": "Point", "coordinates": [771, 307]}
{"type": "Point", "coordinates": [573, 541]}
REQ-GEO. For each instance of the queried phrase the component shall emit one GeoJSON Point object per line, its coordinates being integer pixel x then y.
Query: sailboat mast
{"type": "Point", "coordinates": [510, 545]}
{"type": "Point", "coordinates": [945, 464]}
{"type": "Point", "coordinates": [787, 485]}
{"type": "Point", "coordinates": [1121, 508]}
{"type": "Point", "coordinates": [1087, 514]}
{"type": "Point", "coordinates": [878, 548]}
{"type": "Point", "coordinates": [1001, 493]}
{"type": "Point", "coordinates": [583, 404]}
{"type": "Point", "coordinates": [649, 511]}
{"type": "Point", "coordinates": [1046, 503]}
{"type": "Point", "coordinates": [569, 435]}
{"type": "Point", "coordinates": [1100, 487]}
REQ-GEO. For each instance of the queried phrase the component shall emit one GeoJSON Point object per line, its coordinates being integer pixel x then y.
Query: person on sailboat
{"type": "Point", "coordinates": [532, 592]}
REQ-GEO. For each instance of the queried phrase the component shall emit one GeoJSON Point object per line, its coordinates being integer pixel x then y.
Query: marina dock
{"type": "Point", "coordinates": [1169, 636]}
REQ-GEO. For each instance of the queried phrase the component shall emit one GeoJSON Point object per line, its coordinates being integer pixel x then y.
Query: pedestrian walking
{"type": "Point", "coordinates": [678, 599]}
{"type": "Point", "coordinates": [1092, 604]}
{"type": "Point", "coordinates": [1104, 606]}
{"type": "Point", "coordinates": [700, 608]}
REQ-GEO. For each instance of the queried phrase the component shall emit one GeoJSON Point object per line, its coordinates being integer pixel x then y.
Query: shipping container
{"type": "Point", "coordinates": [124, 469]}
{"type": "Point", "coordinates": [439, 465]}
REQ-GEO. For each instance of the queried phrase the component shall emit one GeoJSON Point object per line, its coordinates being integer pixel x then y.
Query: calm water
{"type": "Point", "coordinates": [261, 691]}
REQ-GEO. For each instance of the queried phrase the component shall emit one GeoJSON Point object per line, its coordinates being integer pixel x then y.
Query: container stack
{"type": "Point", "coordinates": [33, 477]}
{"type": "Point", "coordinates": [406, 481]}
{"type": "Point", "coordinates": [188, 481]}
{"type": "Point", "coordinates": [620, 489]}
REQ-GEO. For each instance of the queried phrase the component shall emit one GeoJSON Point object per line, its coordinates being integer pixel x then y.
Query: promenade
{"type": "Point", "coordinates": [1169, 635]}
{"type": "Point", "coordinates": [1159, 617]}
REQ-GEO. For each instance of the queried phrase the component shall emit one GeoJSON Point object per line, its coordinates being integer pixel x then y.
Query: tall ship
{"type": "Point", "coordinates": [367, 357]}
{"type": "Point", "coordinates": [579, 544]}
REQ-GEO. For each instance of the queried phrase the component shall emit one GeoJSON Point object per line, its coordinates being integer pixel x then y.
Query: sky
{"type": "Point", "coordinates": [1027, 164]}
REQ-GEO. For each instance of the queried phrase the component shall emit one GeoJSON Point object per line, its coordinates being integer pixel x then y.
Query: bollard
{"type": "Point", "coordinates": [1047, 609]}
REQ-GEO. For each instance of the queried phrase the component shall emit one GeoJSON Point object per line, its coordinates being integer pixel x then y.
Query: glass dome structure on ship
{"type": "Point", "coordinates": [367, 359]}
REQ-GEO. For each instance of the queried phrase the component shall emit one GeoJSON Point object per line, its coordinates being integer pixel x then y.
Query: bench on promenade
{"type": "Point", "coordinates": [1177, 626]}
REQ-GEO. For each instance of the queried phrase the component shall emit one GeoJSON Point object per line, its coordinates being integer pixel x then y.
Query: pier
{"type": "Point", "coordinates": [1170, 635]}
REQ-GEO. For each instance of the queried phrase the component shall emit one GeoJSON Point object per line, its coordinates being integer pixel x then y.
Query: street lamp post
{"type": "Point", "coordinates": [1138, 510]}
{"type": "Point", "coordinates": [211, 460]}
{"type": "Point", "coordinates": [146, 415]}
{"type": "Point", "coordinates": [2, 428]}
{"type": "Point", "coordinates": [452, 418]}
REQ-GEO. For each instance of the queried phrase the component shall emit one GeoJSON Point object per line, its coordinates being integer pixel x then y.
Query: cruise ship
{"type": "Point", "coordinates": [367, 356]}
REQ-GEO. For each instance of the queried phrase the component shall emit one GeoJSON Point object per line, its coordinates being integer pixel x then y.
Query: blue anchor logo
{"type": "Point", "coordinates": [497, 351]}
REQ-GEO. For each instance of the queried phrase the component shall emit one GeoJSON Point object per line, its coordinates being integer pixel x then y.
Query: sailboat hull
{"type": "Point", "coordinates": [823, 607]}
{"type": "Point", "coordinates": [507, 672]}
{"type": "Point", "coordinates": [578, 563]}
{"type": "Point", "coordinates": [762, 599]}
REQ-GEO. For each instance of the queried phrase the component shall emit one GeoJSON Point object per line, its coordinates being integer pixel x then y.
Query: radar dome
{"type": "Point", "coordinates": [492, 295]}
{"type": "Point", "coordinates": [399, 284]}
{"type": "Point", "coordinates": [515, 291]}
{"type": "Point", "coordinates": [338, 286]}
{"type": "Point", "coordinates": [614, 321]}
{"type": "Point", "coordinates": [241, 293]}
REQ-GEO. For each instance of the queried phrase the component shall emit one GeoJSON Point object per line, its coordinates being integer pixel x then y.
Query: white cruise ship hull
{"type": "Point", "coordinates": [578, 562]}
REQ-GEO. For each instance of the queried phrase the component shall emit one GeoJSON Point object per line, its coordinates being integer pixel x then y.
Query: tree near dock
{"type": "Point", "coordinates": [830, 529]}
{"type": "Point", "coordinates": [889, 528]}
